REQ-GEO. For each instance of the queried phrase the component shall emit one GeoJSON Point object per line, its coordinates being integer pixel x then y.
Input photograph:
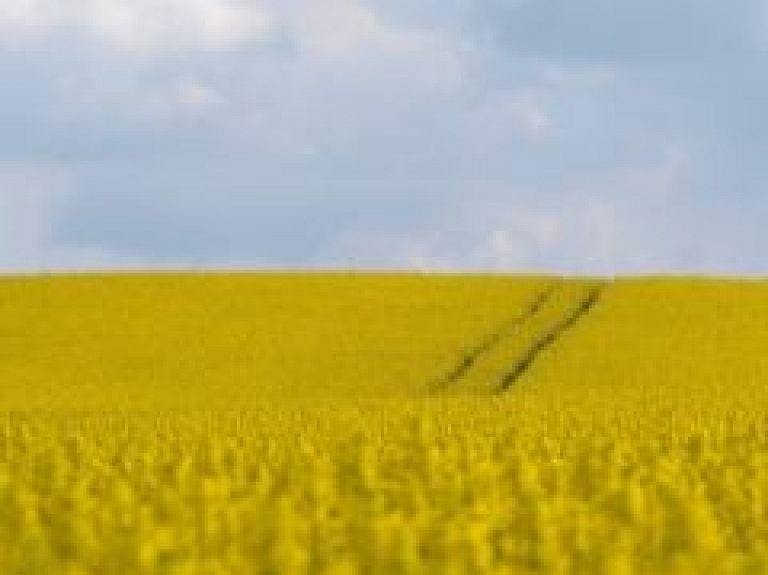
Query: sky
{"type": "Point", "coordinates": [596, 137]}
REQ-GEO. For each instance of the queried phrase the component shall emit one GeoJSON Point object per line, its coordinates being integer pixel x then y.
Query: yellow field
{"type": "Point", "coordinates": [382, 424]}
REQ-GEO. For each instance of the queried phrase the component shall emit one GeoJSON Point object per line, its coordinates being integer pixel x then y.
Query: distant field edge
{"type": "Point", "coordinates": [291, 272]}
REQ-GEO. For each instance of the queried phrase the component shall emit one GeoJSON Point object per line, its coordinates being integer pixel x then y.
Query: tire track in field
{"type": "Point", "coordinates": [547, 339]}
{"type": "Point", "coordinates": [470, 358]}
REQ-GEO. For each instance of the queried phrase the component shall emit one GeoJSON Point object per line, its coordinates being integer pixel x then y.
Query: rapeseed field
{"type": "Point", "coordinates": [382, 423]}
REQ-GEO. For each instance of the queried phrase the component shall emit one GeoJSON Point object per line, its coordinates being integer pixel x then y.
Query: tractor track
{"type": "Point", "coordinates": [471, 357]}
{"type": "Point", "coordinates": [549, 338]}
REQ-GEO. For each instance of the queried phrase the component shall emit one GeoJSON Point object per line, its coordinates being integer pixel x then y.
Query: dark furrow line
{"type": "Point", "coordinates": [522, 365]}
{"type": "Point", "coordinates": [471, 357]}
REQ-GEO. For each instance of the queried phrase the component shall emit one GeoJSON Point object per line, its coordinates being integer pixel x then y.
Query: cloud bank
{"type": "Point", "coordinates": [148, 27]}
{"type": "Point", "coordinates": [358, 133]}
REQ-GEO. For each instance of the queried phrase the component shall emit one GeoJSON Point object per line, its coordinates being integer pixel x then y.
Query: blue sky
{"type": "Point", "coordinates": [597, 137]}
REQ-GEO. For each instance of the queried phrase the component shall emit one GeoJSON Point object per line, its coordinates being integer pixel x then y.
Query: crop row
{"type": "Point", "coordinates": [458, 485]}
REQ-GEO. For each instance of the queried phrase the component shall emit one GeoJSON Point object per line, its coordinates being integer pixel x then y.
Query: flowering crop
{"type": "Point", "coordinates": [362, 424]}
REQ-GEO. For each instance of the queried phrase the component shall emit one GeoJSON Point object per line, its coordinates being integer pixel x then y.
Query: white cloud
{"type": "Point", "coordinates": [525, 232]}
{"type": "Point", "coordinates": [140, 26]}
{"type": "Point", "coordinates": [505, 117]}
{"type": "Point", "coordinates": [354, 35]}
{"type": "Point", "coordinates": [326, 32]}
{"type": "Point", "coordinates": [503, 237]}
{"type": "Point", "coordinates": [605, 223]}
{"type": "Point", "coordinates": [529, 114]}
{"type": "Point", "coordinates": [581, 236]}
{"type": "Point", "coordinates": [599, 222]}
{"type": "Point", "coordinates": [196, 96]}
{"type": "Point", "coordinates": [332, 31]}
